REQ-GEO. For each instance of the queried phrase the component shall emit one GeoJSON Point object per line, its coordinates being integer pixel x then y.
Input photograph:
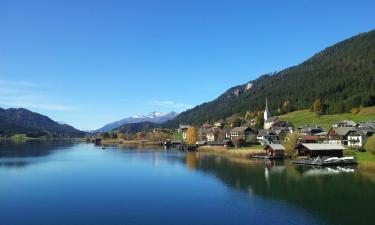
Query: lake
{"type": "Point", "coordinates": [60, 182]}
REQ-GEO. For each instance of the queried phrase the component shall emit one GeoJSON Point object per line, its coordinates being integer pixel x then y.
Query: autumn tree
{"type": "Point", "coordinates": [318, 108]}
{"type": "Point", "coordinates": [139, 136]}
{"type": "Point", "coordinates": [290, 143]}
{"type": "Point", "coordinates": [248, 116]}
{"type": "Point", "coordinates": [370, 145]}
{"type": "Point", "coordinates": [191, 136]}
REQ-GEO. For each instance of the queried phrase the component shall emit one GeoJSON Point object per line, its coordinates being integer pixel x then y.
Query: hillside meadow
{"type": "Point", "coordinates": [305, 117]}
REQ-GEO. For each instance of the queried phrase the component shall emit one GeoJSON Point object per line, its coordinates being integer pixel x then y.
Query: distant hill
{"type": "Point", "coordinates": [304, 117]}
{"type": "Point", "coordinates": [22, 121]}
{"type": "Point", "coordinates": [133, 128]}
{"type": "Point", "coordinates": [154, 117]}
{"type": "Point", "coordinates": [342, 75]}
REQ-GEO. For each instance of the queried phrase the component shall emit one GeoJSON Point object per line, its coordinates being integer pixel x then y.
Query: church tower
{"type": "Point", "coordinates": [266, 112]}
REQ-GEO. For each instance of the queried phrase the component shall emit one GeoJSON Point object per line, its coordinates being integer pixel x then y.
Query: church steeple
{"type": "Point", "coordinates": [266, 112]}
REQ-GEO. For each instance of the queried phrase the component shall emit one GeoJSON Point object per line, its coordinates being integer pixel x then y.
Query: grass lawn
{"type": "Point", "coordinates": [304, 117]}
{"type": "Point", "coordinates": [365, 157]}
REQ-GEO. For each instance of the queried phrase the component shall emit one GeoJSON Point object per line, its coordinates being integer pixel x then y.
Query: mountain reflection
{"type": "Point", "coordinates": [15, 154]}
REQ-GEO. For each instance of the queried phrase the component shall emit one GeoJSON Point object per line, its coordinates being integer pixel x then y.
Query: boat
{"type": "Point", "coordinates": [326, 161]}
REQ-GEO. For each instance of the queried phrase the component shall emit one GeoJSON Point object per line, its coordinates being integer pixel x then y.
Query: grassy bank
{"type": "Point", "coordinates": [365, 157]}
{"type": "Point", "coordinates": [116, 141]}
{"type": "Point", "coordinates": [245, 152]}
{"type": "Point", "coordinates": [303, 117]}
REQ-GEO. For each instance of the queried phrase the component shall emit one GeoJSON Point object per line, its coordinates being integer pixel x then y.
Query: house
{"type": "Point", "coordinates": [345, 123]}
{"type": "Point", "coordinates": [370, 125]}
{"type": "Point", "coordinates": [358, 137]}
{"type": "Point", "coordinates": [320, 150]}
{"type": "Point", "coordinates": [219, 124]}
{"type": "Point", "coordinates": [210, 135]}
{"type": "Point", "coordinates": [270, 122]}
{"type": "Point", "coordinates": [339, 135]}
{"type": "Point", "coordinates": [241, 132]}
{"type": "Point", "coordinates": [275, 150]}
{"type": "Point", "coordinates": [202, 134]}
{"type": "Point", "coordinates": [266, 137]}
{"type": "Point", "coordinates": [183, 129]}
{"type": "Point", "coordinates": [282, 131]}
{"type": "Point", "coordinates": [310, 139]}
{"type": "Point", "coordinates": [310, 130]}
{"type": "Point", "coordinates": [161, 130]}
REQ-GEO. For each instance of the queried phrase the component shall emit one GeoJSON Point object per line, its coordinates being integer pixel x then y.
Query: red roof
{"type": "Point", "coordinates": [310, 138]}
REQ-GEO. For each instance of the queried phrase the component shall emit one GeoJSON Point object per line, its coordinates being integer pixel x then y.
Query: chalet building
{"type": "Point", "coordinates": [219, 125]}
{"type": "Point", "coordinates": [345, 123]}
{"type": "Point", "coordinates": [270, 122]}
{"type": "Point", "coordinates": [339, 135]}
{"type": "Point", "coordinates": [161, 130]}
{"type": "Point", "coordinates": [241, 132]}
{"type": "Point", "coordinates": [227, 134]}
{"type": "Point", "coordinates": [183, 130]}
{"type": "Point", "coordinates": [310, 139]}
{"type": "Point", "coordinates": [275, 150]}
{"type": "Point", "coordinates": [358, 137]}
{"type": "Point", "coordinates": [266, 137]}
{"type": "Point", "coordinates": [282, 131]}
{"type": "Point", "coordinates": [320, 150]}
{"type": "Point", "coordinates": [310, 130]}
{"type": "Point", "coordinates": [370, 125]}
{"type": "Point", "coordinates": [210, 135]}
{"type": "Point", "coordinates": [202, 133]}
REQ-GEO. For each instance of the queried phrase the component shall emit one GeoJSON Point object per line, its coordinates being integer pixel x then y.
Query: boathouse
{"type": "Point", "coordinates": [275, 150]}
{"type": "Point", "coordinates": [315, 150]}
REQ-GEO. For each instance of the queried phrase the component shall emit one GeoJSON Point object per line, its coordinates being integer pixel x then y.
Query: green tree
{"type": "Point", "coordinates": [290, 143]}
{"type": "Point", "coordinates": [105, 135]}
{"type": "Point", "coordinates": [370, 145]}
{"type": "Point", "coordinates": [259, 120]}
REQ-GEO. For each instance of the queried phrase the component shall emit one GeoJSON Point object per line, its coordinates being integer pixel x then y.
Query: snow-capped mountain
{"type": "Point", "coordinates": [153, 117]}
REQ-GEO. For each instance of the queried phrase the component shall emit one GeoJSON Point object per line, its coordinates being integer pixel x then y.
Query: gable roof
{"type": "Point", "coordinates": [263, 132]}
{"type": "Point", "coordinates": [320, 147]}
{"type": "Point", "coordinates": [272, 119]}
{"type": "Point", "coordinates": [343, 131]}
{"type": "Point", "coordinates": [276, 147]}
{"type": "Point", "coordinates": [240, 129]}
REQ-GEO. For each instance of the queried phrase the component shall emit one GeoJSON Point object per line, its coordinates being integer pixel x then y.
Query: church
{"type": "Point", "coordinates": [268, 121]}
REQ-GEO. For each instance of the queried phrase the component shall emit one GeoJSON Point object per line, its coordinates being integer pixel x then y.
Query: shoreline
{"type": "Point", "coordinates": [232, 152]}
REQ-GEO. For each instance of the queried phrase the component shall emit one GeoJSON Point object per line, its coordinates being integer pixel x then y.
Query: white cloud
{"type": "Point", "coordinates": [28, 95]}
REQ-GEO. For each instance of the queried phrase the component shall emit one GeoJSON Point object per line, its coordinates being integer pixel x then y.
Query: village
{"type": "Point", "coordinates": [275, 139]}
{"type": "Point", "coordinates": [313, 140]}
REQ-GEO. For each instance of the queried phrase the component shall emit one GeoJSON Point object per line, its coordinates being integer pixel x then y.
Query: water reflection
{"type": "Point", "coordinates": [339, 195]}
{"type": "Point", "coordinates": [16, 154]}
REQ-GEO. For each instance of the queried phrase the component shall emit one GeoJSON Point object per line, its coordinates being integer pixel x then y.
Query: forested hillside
{"type": "Point", "coordinates": [23, 121]}
{"type": "Point", "coordinates": [342, 76]}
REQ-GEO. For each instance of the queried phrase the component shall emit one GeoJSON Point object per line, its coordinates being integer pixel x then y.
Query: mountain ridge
{"type": "Point", "coordinates": [153, 117]}
{"type": "Point", "coordinates": [342, 75]}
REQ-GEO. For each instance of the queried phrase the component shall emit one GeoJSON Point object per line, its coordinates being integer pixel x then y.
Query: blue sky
{"type": "Point", "coordinates": [91, 62]}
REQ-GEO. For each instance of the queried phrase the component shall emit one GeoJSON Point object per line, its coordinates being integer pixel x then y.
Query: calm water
{"type": "Point", "coordinates": [72, 183]}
